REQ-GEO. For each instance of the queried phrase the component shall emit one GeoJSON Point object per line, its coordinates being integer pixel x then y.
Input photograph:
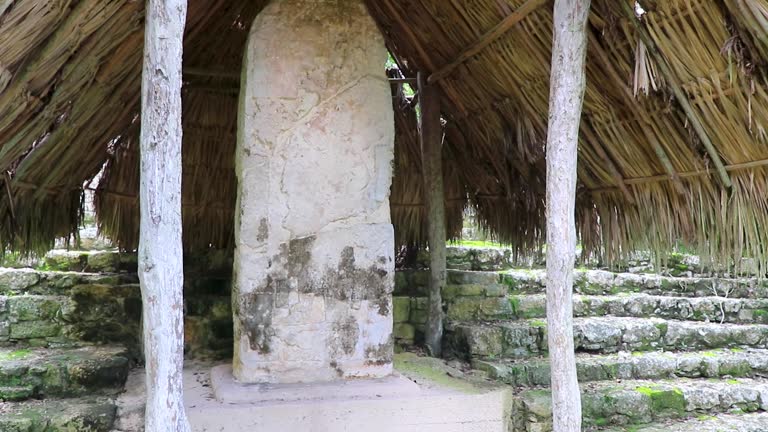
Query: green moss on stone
{"type": "Point", "coordinates": [401, 309]}
{"type": "Point", "coordinates": [740, 369]}
{"type": "Point", "coordinates": [668, 401]}
{"type": "Point", "coordinates": [760, 315]}
{"type": "Point", "coordinates": [15, 355]}
{"type": "Point", "coordinates": [514, 303]}
{"type": "Point", "coordinates": [431, 371]}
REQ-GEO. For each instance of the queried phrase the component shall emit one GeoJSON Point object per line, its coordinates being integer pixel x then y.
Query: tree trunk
{"type": "Point", "coordinates": [434, 198]}
{"type": "Point", "coordinates": [160, 252]}
{"type": "Point", "coordinates": [565, 102]}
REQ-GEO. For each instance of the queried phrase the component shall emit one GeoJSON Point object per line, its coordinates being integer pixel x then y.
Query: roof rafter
{"type": "Point", "coordinates": [680, 95]}
{"type": "Point", "coordinates": [612, 169]}
{"type": "Point", "coordinates": [449, 91]}
{"type": "Point", "coordinates": [488, 38]}
{"type": "Point", "coordinates": [608, 66]}
{"type": "Point", "coordinates": [686, 174]}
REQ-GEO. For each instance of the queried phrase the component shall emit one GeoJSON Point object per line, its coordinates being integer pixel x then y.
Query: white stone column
{"type": "Point", "coordinates": [314, 266]}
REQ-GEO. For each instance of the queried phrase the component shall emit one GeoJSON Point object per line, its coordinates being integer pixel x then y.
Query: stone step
{"type": "Point", "coordinates": [108, 261]}
{"type": "Point", "coordinates": [92, 313]}
{"type": "Point", "coordinates": [26, 373]}
{"type": "Point", "coordinates": [728, 363]}
{"type": "Point", "coordinates": [90, 414]}
{"type": "Point", "coordinates": [16, 393]}
{"type": "Point", "coordinates": [714, 309]}
{"type": "Point", "coordinates": [15, 282]}
{"type": "Point", "coordinates": [601, 282]}
{"type": "Point", "coordinates": [526, 338]}
{"type": "Point", "coordinates": [631, 403]}
{"type": "Point", "coordinates": [749, 422]}
{"type": "Point", "coordinates": [414, 282]}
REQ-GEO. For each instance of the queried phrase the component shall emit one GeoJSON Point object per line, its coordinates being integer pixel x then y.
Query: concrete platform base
{"type": "Point", "coordinates": [429, 406]}
{"type": "Point", "coordinates": [227, 390]}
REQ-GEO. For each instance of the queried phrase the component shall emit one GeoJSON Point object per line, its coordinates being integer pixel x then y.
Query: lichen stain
{"type": "Point", "coordinates": [381, 354]}
{"type": "Point", "coordinates": [263, 232]}
{"type": "Point", "coordinates": [348, 282]}
{"type": "Point", "coordinates": [344, 337]}
{"type": "Point", "coordinates": [256, 319]}
{"type": "Point", "coordinates": [293, 268]}
{"type": "Point", "coordinates": [335, 366]}
{"type": "Point", "coordinates": [345, 282]}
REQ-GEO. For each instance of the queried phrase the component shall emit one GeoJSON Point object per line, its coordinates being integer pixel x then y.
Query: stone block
{"type": "Point", "coordinates": [418, 316]}
{"type": "Point", "coordinates": [479, 308]}
{"type": "Point", "coordinates": [103, 262]}
{"type": "Point", "coordinates": [34, 308]}
{"type": "Point", "coordinates": [404, 331]}
{"type": "Point", "coordinates": [401, 309]}
{"type": "Point", "coordinates": [63, 260]}
{"type": "Point", "coordinates": [34, 330]}
{"type": "Point", "coordinates": [221, 308]}
{"type": "Point", "coordinates": [14, 281]}
{"type": "Point", "coordinates": [5, 330]}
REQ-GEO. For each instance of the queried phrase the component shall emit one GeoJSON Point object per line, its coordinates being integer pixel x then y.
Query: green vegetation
{"type": "Point", "coordinates": [15, 355]}
{"type": "Point", "coordinates": [514, 304]}
{"type": "Point", "coordinates": [475, 244]}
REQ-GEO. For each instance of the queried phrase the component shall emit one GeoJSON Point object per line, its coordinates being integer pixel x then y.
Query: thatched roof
{"type": "Point", "coordinates": [673, 141]}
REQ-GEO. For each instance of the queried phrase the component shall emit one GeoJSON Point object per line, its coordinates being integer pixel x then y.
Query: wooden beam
{"type": "Point", "coordinates": [685, 174]}
{"type": "Point", "coordinates": [161, 270]}
{"type": "Point", "coordinates": [488, 38]}
{"type": "Point", "coordinates": [4, 5]}
{"type": "Point", "coordinates": [431, 137]}
{"type": "Point", "coordinates": [566, 99]}
{"type": "Point", "coordinates": [680, 95]}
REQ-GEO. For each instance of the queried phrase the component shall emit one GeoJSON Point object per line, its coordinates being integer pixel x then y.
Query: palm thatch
{"type": "Point", "coordinates": [673, 139]}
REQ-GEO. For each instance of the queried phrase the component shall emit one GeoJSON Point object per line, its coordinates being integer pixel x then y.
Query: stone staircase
{"type": "Point", "coordinates": [653, 352]}
{"type": "Point", "coordinates": [67, 342]}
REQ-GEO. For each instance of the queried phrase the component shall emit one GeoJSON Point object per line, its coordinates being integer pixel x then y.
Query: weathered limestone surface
{"type": "Point", "coordinates": [60, 309]}
{"type": "Point", "coordinates": [92, 414]}
{"type": "Point", "coordinates": [653, 365]}
{"type": "Point", "coordinates": [644, 401]}
{"type": "Point", "coordinates": [314, 271]}
{"type": "Point", "coordinates": [443, 403]}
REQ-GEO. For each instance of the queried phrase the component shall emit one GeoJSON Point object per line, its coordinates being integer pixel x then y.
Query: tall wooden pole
{"type": "Point", "coordinates": [431, 136]}
{"type": "Point", "coordinates": [160, 251]}
{"type": "Point", "coordinates": [566, 98]}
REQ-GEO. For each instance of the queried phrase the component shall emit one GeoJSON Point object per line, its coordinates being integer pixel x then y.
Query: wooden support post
{"type": "Point", "coordinates": [431, 136]}
{"type": "Point", "coordinates": [488, 38]}
{"type": "Point", "coordinates": [160, 250]}
{"type": "Point", "coordinates": [566, 98]}
{"type": "Point", "coordinates": [680, 95]}
{"type": "Point", "coordinates": [407, 30]}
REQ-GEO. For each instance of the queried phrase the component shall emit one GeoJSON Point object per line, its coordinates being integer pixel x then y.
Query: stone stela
{"type": "Point", "coordinates": [314, 267]}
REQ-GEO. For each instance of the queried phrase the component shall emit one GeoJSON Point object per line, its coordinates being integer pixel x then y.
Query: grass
{"type": "Point", "coordinates": [15, 355]}
{"type": "Point", "coordinates": [475, 244]}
